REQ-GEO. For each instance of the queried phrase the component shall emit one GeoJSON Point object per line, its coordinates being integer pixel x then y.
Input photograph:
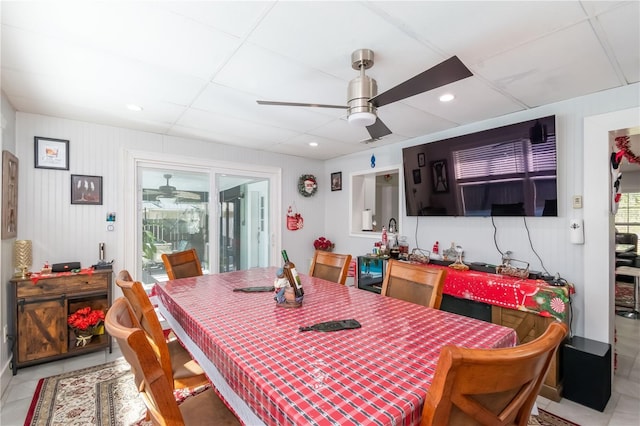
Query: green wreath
{"type": "Point", "coordinates": [302, 188]}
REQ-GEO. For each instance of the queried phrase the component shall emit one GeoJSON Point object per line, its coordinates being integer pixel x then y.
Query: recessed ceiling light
{"type": "Point", "coordinates": [133, 107]}
{"type": "Point", "coordinates": [314, 144]}
{"type": "Point", "coordinates": [447, 97]}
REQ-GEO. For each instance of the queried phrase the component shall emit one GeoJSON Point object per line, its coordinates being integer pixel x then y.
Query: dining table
{"type": "Point", "coordinates": [270, 372]}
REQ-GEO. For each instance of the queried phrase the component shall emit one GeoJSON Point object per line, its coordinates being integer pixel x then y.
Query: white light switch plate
{"type": "Point", "coordinates": [577, 201]}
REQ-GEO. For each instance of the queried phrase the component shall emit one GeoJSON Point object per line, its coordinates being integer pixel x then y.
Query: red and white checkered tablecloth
{"type": "Point", "coordinates": [375, 375]}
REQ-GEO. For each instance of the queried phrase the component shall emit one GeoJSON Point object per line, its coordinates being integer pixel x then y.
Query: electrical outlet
{"type": "Point", "coordinates": [5, 333]}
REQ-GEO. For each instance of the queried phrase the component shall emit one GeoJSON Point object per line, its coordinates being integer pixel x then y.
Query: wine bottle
{"type": "Point", "coordinates": [292, 275]}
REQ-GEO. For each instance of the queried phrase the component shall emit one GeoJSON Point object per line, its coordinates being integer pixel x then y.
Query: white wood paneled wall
{"type": "Point", "coordinates": [63, 232]}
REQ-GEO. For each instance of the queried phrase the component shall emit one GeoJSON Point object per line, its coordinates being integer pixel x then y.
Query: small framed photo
{"type": "Point", "coordinates": [336, 181]}
{"type": "Point", "coordinates": [51, 153]}
{"type": "Point", "coordinates": [421, 159]}
{"type": "Point", "coordinates": [86, 189]}
{"type": "Point", "coordinates": [417, 178]}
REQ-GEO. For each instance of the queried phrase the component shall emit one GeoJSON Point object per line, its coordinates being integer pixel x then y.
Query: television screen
{"type": "Point", "coordinates": [506, 171]}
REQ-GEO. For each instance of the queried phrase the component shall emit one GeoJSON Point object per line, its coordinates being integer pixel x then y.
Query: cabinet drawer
{"type": "Point", "coordinates": [62, 285]}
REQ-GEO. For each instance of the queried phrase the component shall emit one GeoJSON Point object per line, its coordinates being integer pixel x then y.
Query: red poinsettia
{"type": "Point", "coordinates": [323, 244]}
{"type": "Point", "coordinates": [85, 318]}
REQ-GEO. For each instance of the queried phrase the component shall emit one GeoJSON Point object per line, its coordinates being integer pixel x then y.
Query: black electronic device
{"type": "Point", "coordinates": [505, 171]}
{"type": "Point", "coordinates": [586, 366]}
{"type": "Point", "coordinates": [65, 266]}
{"type": "Point", "coordinates": [103, 265]}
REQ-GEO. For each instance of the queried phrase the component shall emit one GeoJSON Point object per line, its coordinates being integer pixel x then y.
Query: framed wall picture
{"type": "Point", "coordinates": [51, 153]}
{"type": "Point", "coordinates": [336, 181]}
{"type": "Point", "coordinates": [417, 178]}
{"type": "Point", "coordinates": [439, 176]}
{"type": "Point", "coordinates": [86, 189]}
{"type": "Point", "coordinates": [9, 195]}
{"type": "Point", "coordinates": [421, 159]}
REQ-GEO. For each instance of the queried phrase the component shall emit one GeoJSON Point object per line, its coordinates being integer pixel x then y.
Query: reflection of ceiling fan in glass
{"type": "Point", "coordinates": [168, 191]}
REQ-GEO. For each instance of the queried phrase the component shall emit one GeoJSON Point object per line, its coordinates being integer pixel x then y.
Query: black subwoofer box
{"type": "Point", "coordinates": [586, 368]}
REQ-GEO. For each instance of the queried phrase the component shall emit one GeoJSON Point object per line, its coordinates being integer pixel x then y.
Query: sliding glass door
{"type": "Point", "coordinates": [174, 216]}
{"type": "Point", "coordinates": [243, 222]}
{"type": "Point", "coordinates": [224, 214]}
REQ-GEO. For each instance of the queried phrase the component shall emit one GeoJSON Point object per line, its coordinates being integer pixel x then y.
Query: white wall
{"type": "Point", "coordinates": [8, 142]}
{"type": "Point", "coordinates": [62, 232]}
{"type": "Point", "coordinates": [549, 236]}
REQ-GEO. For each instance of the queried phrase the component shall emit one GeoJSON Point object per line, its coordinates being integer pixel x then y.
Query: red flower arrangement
{"type": "Point", "coordinates": [323, 244]}
{"type": "Point", "coordinates": [85, 319]}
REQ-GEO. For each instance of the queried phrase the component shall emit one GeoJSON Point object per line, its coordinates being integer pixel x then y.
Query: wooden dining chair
{"type": "Point", "coordinates": [154, 387]}
{"type": "Point", "coordinates": [180, 368]}
{"type": "Point", "coordinates": [182, 264]}
{"type": "Point", "coordinates": [330, 266]}
{"type": "Point", "coordinates": [490, 386]}
{"type": "Point", "coordinates": [414, 283]}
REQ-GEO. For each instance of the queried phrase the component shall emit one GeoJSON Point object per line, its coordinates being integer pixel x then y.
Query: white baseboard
{"type": "Point", "coordinates": [5, 377]}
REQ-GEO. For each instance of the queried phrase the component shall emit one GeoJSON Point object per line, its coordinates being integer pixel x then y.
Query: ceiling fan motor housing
{"type": "Point", "coordinates": [361, 89]}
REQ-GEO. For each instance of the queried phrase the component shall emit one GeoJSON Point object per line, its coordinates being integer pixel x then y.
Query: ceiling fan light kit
{"type": "Point", "coordinates": [362, 119]}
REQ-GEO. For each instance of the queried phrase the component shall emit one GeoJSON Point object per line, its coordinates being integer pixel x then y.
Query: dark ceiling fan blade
{"type": "Point", "coordinates": [301, 104]}
{"type": "Point", "coordinates": [378, 129]}
{"type": "Point", "coordinates": [444, 73]}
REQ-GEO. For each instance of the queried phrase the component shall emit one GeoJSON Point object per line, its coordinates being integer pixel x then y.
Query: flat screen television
{"type": "Point", "coordinates": [506, 171]}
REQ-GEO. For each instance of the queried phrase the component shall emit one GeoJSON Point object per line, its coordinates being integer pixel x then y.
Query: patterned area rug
{"type": "Point", "coordinates": [106, 395]}
{"type": "Point", "coordinates": [544, 418]}
{"type": "Point", "coordinates": [102, 395]}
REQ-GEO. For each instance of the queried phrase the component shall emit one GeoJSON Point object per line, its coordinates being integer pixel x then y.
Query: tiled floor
{"type": "Point", "coordinates": [623, 408]}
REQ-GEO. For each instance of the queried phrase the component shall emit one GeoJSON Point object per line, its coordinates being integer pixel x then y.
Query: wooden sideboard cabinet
{"type": "Point", "coordinates": [528, 327]}
{"type": "Point", "coordinates": [38, 315]}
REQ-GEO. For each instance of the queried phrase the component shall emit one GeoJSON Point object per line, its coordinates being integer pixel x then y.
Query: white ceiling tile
{"type": "Point", "coordinates": [232, 103]}
{"type": "Point", "coordinates": [236, 18]}
{"type": "Point", "coordinates": [273, 77]}
{"type": "Point", "coordinates": [553, 67]}
{"type": "Point", "coordinates": [215, 123]}
{"type": "Point", "coordinates": [623, 34]}
{"type": "Point", "coordinates": [476, 30]}
{"type": "Point", "coordinates": [473, 101]}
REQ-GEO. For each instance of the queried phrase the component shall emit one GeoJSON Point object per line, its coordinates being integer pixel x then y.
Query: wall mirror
{"type": "Point", "coordinates": [375, 201]}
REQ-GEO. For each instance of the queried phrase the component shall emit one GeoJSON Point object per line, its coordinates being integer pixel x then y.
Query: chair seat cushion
{"type": "Point", "coordinates": [182, 364]}
{"type": "Point", "coordinates": [207, 408]}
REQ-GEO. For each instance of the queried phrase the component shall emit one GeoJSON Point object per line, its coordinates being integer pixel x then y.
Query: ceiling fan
{"type": "Point", "coordinates": [362, 94]}
{"type": "Point", "coordinates": [169, 191]}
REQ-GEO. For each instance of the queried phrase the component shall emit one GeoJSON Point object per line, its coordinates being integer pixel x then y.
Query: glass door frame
{"type": "Point", "coordinates": [132, 209]}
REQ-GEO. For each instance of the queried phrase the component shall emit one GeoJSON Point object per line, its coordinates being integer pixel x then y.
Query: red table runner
{"type": "Point", "coordinates": [528, 295]}
{"type": "Point", "coordinates": [377, 374]}
{"type": "Point", "coordinates": [36, 276]}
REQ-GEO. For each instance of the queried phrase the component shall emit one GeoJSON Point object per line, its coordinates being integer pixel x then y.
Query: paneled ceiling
{"type": "Point", "coordinates": [197, 68]}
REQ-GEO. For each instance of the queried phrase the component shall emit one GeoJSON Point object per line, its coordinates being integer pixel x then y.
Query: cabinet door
{"type": "Point", "coordinates": [42, 329]}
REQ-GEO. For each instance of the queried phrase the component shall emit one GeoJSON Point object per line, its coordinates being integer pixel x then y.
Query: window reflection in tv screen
{"type": "Point", "coordinates": [506, 171]}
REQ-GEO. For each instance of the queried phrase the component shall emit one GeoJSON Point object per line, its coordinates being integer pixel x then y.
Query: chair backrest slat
{"type": "Point", "coordinates": [330, 266]}
{"type": "Point", "coordinates": [182, 264]}
{"type": "Point", "coordinates": [414, 283]}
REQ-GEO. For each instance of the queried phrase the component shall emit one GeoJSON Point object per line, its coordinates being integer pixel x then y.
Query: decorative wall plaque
{"type": "Point", "coordinates": [9, 195]}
